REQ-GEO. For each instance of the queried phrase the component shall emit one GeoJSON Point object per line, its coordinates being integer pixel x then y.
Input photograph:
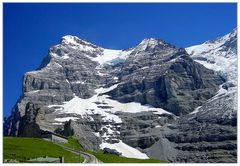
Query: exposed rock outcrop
{"type": "Point", "coordinates": [83, 133]}
{"type": "Point", "coordinates": [168, 79]}
{"type": "Point", "coordinates": [154, 97]}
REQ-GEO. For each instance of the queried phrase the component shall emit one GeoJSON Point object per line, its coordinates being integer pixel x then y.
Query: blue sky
{"type": "Point", "coordinates": [30, 29]}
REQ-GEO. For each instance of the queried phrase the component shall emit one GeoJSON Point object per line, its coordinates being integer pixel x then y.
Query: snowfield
{"type": "Point", "coordinates": [127, 151]}
{"type": "Point", "coordinates": [215, 56]}
{"type": "Point", "coordinates": [112, 56]}
{"type": "Point", "coordinates": [91, 106]}
{"type": "Point", "coordinates": [66, 119]}
{"type": "Point", "coordinates": [97, 105]}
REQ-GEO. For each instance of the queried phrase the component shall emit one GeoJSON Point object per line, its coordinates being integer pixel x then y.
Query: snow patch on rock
{"type": "Point", "coordinates": [110, 56]}
{"type": "Point", "coordinates": [65, 119]}
{"type": "Point", "coordinates": [127, 151]}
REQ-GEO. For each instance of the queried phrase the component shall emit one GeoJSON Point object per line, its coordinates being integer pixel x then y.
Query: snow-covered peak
{"type": "Point", "coordinates": [72, 46]}
{"type": "Point", "coordinates": [223, 39]}
{"type": "Point", "coordinates": [222, 46]}
{"type": "Point", "coordinates": [74, 40]}
{"type": "Point", "coordinates": [153, 42]}
{"type": "Point", "coordinates": [219, 54]}
{"type": "Point", "coordinates": [69, 39]}
{"type": "Point", "coordinates": [149, 41]}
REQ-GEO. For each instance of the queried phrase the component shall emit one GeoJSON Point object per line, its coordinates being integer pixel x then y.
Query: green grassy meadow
{"type": "Point", "coordinates": [110, 158]}
{"type": "Point", "coordinates": [22, 149]}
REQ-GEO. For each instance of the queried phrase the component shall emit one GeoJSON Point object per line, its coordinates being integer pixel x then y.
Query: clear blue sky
{"type": "Point", "coordinates": [30, 29]}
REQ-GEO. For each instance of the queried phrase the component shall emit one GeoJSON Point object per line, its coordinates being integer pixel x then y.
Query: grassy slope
{"type": "Point", "coordinates": [25, 148]}
{"type": "Point", "coordinates": [73, 144]}
{"type": "Point", "coordinates": [109, 158]}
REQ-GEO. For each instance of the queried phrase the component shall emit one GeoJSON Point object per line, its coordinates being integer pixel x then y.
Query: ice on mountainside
{"type": "Point", "coordinates": [219, 55]}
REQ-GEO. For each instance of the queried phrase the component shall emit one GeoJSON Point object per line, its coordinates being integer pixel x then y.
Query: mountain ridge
{"type": "Point", "coordinates": [135, 98]}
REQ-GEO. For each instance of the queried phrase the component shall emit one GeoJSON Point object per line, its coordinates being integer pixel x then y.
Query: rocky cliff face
{"type": "Point", "coordinates": [164, 76]}
{"type": "Point", "coordinates": [153, 98]}
{"type": "Point", "coordinates": [209, 133]}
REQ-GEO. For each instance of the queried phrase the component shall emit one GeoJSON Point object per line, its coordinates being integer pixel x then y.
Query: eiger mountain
{"type": "Point", "coordinates": [153, 100]}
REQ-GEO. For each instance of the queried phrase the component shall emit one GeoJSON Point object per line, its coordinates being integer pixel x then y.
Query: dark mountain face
{"type": "Point", "coordinates": [153, 97]}
{"type": "Point", "coordinates": [168, 79]}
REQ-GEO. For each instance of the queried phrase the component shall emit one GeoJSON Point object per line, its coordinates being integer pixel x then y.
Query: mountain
{"type": "Point", "coordinates": [152, 100]}
{"type": "Point", "coordinates": [209, 133]}
{"type": "Point", "coordinates": [219, 55]}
